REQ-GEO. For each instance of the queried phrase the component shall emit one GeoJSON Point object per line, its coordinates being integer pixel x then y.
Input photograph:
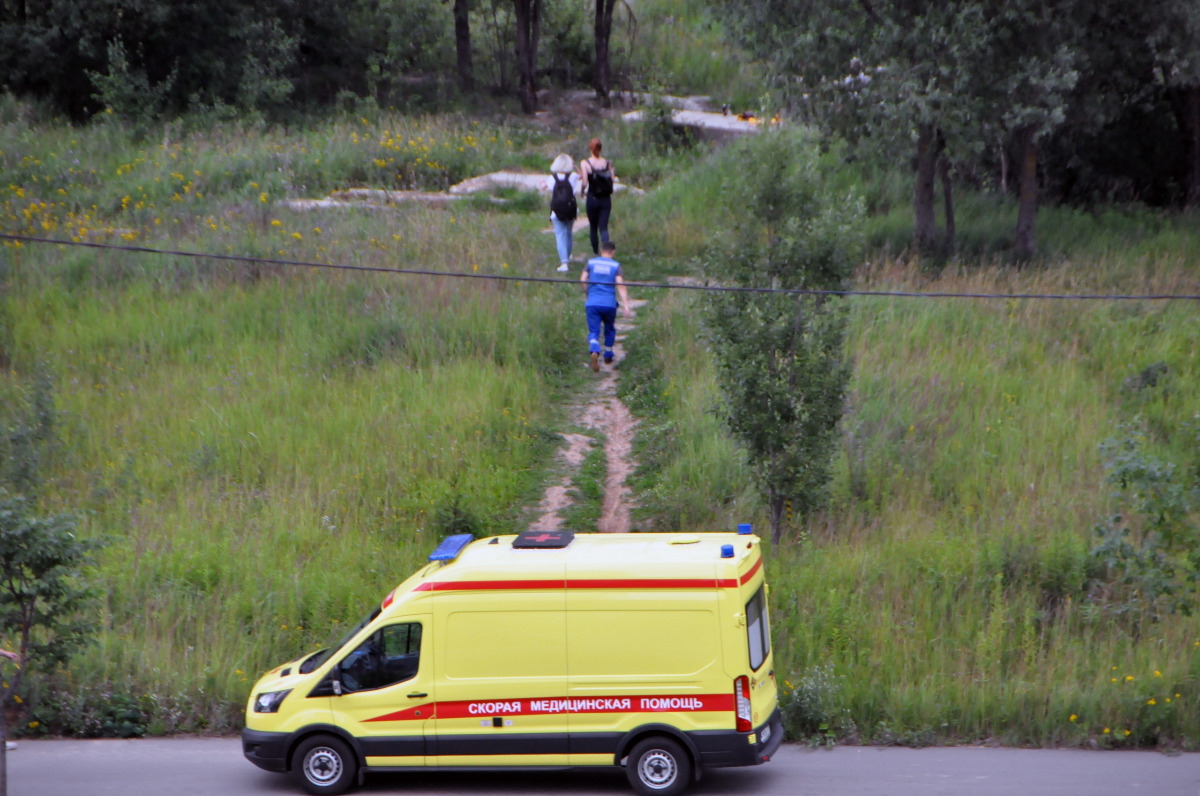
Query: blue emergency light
{"type": "Point", "coordinates": [745, 528]}
{"type": "Point", "coordinates": [451, 546]}
{"type": "Point", "coordinates": [726, 551]}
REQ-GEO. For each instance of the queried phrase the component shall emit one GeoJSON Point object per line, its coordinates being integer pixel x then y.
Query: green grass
{"type": "Point", "coordinates": [270, 450]}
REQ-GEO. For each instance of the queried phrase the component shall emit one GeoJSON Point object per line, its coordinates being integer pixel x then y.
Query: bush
{"type": "Point", "coordinates": [813, 710]}
{"type": "Point", "coordinates": [89, 712]}
{"type": "Point", "coordinates": [1145, 562]}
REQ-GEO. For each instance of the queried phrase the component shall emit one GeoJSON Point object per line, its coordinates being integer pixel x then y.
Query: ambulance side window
{"type": "Point", "coordinates": [391, 655]}
{"type": "Point", "coordinates": [757, 629]}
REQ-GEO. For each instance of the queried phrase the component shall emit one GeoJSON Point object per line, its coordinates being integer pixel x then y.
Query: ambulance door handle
{"type": "Point", "coordinates": [417, 695]}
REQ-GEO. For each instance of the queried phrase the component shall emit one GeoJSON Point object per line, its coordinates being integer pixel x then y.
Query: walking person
{"type": "Point", "coordinates": [603, 281]}
{"type": "Point", "coordinates": [598, 180]}
{"type": "Point", "coordinates": [564, 185]}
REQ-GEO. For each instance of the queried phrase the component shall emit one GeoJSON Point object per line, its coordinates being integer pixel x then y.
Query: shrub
{"type": "Point", "coordinates": [813, 710]}
{"type": "Point", "coordinates": [1146, 559]}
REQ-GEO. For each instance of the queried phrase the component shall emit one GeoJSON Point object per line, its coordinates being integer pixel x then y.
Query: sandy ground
{"type": "Point", "coordinates": [604, 413]}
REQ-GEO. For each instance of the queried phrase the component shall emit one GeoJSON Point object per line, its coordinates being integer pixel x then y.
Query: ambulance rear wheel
{"type": "Point", "coordinates": [659, 767]}
{"type": "Point", "coordinates": [324, 764]}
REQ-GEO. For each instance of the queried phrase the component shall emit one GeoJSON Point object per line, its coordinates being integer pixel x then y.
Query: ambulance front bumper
{"type": "Point", "coordinates": [267, 750]}
{"type": "Point", "coordinates": [721, 749]}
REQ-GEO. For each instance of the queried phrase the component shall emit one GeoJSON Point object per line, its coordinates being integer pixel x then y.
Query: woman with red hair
{"type": "Point", "coordinates": [598, 180]}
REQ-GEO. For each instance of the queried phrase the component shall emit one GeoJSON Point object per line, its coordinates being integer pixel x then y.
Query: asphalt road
{"type": "Point", "coordinates": [215, 767]}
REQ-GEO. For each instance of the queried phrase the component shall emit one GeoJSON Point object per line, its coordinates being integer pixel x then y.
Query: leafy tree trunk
{"type": "Point", "coordinates": [1027, 191]}
{"type": "Point", "coordinates": [923, 202]}
{"type": "Point", "coordinates": [462, 44]}
{"type": "Point", "coordinates": [604, 15]}
{"type": "Point", "coordinates": [527, 15]}
{"type": "Point", "coordinates": [776, 504]}
{"type": "Point", "coordinates": [947, 194]}
{"type": "Point", "coordinates": [1185, 102]}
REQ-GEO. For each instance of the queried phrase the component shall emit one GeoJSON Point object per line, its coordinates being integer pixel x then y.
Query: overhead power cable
{"type": "Point", "coordinates": [708, 288]}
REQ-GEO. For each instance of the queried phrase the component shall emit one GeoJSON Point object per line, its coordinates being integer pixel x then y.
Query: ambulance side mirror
{"type": "Point", "coordinates": [330, 686]}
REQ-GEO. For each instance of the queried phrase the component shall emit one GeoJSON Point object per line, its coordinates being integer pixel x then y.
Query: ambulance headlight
{"type": "Point", "coordinates": [269, 701]}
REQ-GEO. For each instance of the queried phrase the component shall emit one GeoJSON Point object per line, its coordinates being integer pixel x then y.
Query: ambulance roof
{"type": "Point", "coordinates": [652, 560]}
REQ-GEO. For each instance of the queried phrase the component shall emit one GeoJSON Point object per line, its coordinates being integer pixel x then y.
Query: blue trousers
{"type": "Point", "coordinates": [597, 317]}
{"type": "Point", "coordinates": [564, 236]}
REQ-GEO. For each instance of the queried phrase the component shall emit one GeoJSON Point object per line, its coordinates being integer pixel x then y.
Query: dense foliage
{"type": "Point", "coordinates": [983, 90]}
{"type": "Point", "coordinates": [781, 358]}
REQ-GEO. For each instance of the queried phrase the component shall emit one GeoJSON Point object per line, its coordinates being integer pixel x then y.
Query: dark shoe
{"type": "Point", "coordinates": [608, 358]}
{"type": "Point", "coordinates": [595, 362]}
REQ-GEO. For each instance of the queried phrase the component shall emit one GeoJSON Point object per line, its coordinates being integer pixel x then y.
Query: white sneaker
{"type": "Point", "coordinates": [562, 269]}
{"type": "Point", "coordinates": [10, 745]}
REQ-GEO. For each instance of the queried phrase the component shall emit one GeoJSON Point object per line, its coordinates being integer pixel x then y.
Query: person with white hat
{"type": "Point", "coordinates": [564, 186]}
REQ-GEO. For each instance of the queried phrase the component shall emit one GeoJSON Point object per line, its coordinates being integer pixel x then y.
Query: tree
{"type": "Point", "coordinates": [1033, 47]}
{"type": "Point", "coordinates": [1173, 37]}
{"type": "Point", "coordinates": [528, 17]}
{"type": "Point", "coordinates": [780, 358]}
{"type": "Point", "coordinates": [44, 597]}
{"type": "Point", "coordinates": [603, 30]}
{"type": "Point", "coordinates": [462, 44]}
{"type": "Point", "coordinates": [892, 75]}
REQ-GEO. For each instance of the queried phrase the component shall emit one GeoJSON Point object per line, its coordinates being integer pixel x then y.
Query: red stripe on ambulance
{"type": "Point", "coordinates": [757, 566]}
{"type": "Point", "coordinates": [698, 703]}
{"type": "Point", "coordinates": [540, 585]}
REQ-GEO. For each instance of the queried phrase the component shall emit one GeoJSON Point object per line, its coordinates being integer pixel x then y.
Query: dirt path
{"type": "Point", "coordinates": [603, 414]}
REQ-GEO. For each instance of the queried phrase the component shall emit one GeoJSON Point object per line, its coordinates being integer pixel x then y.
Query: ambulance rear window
{"type": "Point", "coordinates": [757, 629]}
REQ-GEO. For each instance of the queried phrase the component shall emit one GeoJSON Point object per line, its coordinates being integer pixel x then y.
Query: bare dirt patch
{"type": "Point", "coordinates": [602, 412]}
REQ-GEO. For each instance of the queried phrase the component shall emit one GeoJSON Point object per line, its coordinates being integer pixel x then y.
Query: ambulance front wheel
{"type": "Point", "coordinates": [659, 767]}
{"type": "Point", "coordinates": [324, 764]}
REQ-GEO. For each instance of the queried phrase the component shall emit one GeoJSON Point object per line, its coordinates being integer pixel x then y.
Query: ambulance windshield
{"type": "Point", "coordinates": [323, 655]}
{"type": "Point", "coordinates": [757, 629]}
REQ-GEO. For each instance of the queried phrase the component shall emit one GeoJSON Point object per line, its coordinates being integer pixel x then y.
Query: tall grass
{"type": "Point", "coordinates": [268, 450]}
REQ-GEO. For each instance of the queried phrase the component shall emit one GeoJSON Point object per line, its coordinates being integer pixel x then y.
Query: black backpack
{"type": "Point", "coordinates": [562, 199]}
{"type": "Point", "coordinates": [600, 182]}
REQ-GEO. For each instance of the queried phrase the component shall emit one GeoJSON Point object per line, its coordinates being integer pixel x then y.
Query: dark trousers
{"type": "Point", "coordinates": [598, 209]}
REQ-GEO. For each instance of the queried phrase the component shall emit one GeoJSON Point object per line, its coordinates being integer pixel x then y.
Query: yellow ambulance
{"type": "Point", "coordinates": [540, 650]}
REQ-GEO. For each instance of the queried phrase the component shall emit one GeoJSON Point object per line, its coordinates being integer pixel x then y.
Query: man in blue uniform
{"type": "Point", "coordinates": [602, 282]}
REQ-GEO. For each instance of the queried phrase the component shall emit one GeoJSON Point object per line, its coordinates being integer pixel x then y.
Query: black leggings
{"type": "Point", "coordinates": [598, 208]}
